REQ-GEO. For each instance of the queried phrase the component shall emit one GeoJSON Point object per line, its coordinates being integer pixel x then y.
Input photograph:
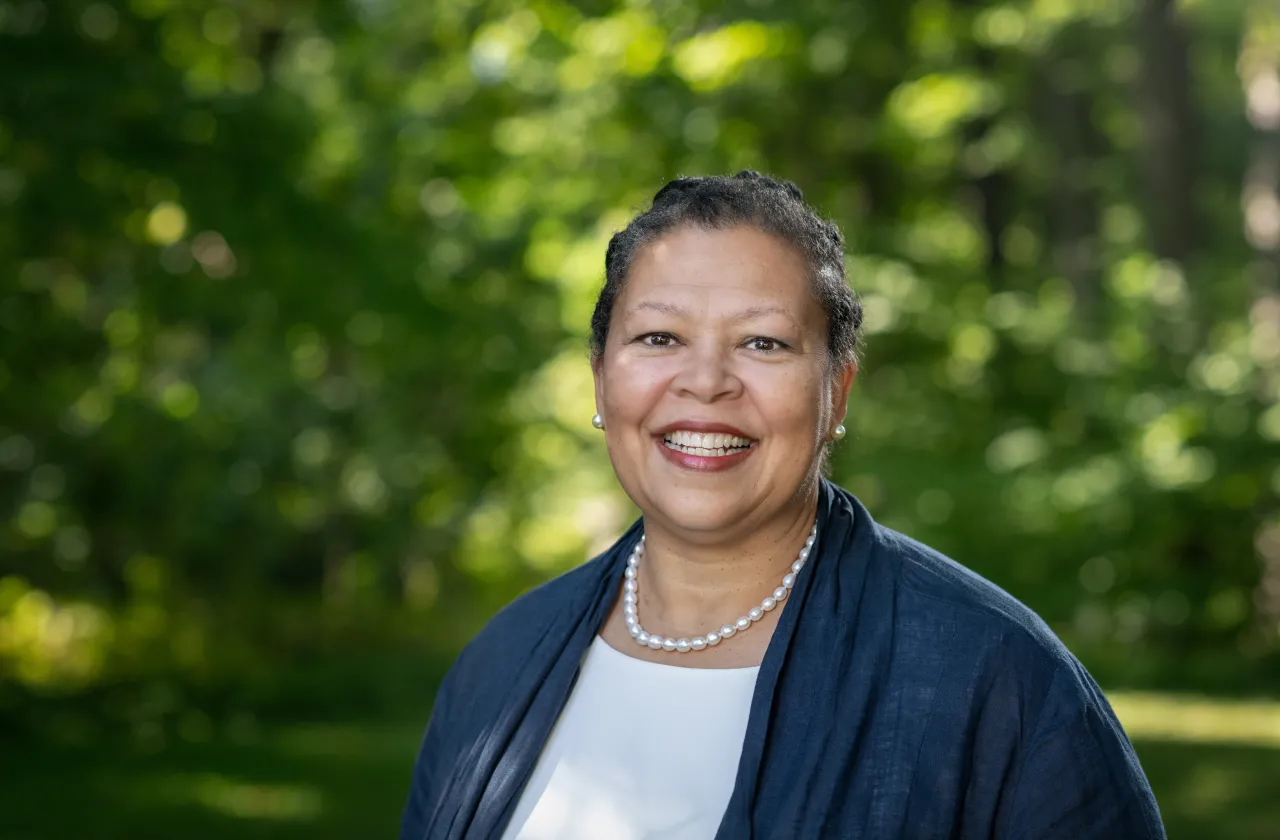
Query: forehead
{"type": "Point", "coordinates": [735, 266]}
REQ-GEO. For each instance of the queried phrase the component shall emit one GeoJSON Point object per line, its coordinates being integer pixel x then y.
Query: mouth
{"type": "Point", "coordinates": [711, 448]}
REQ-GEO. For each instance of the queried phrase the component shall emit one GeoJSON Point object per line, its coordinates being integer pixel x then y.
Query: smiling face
{"type": "Point", "coordinates": [715, 383]}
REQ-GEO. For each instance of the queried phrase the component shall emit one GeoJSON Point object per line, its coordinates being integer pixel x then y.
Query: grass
{"type": "Point", "coordinates": [301, 781]}
{"type": "Point", "coordinates": [1210, 792]}
{"type": "Point", "coordinates": [1214, 765]}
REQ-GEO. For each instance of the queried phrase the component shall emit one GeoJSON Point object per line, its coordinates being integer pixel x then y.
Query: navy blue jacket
{"type": "Point", "coordinates": [901, 696]}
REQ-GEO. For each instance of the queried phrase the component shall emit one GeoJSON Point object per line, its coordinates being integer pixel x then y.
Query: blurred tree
{"type": "Point", "coordinates": [295, 297]}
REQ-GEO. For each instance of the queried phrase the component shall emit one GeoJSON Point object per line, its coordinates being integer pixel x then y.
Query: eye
{"type": "Point", "coordinates": [657, 340]}
{"type": "Point", "coordinates": [764, 344]}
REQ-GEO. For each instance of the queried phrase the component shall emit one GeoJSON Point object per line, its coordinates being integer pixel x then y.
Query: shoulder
{"type": "Point", "coordinates": [984, 635]}
{"type": "Point", "coordinates": [974, 615]}
{"type": "Point", "coordinates": [515, 634]}
{"type": "Point", "coordinates": [980, 636]}
{"type": "Point", "coordinates": [942, 584]}
{"type": "Point", "coordinates": [997, 687]}
{"type": "Point", "coordinates": [545, 604]}
{"type": "Point", "coordinates": [938, 613]}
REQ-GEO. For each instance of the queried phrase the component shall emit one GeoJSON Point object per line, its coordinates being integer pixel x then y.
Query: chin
{"type": "Point", "coordinates": [700, 510]}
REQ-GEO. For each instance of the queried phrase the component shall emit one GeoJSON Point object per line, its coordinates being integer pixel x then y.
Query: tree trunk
{"type": "Point", "coordinates": [1169, 124]}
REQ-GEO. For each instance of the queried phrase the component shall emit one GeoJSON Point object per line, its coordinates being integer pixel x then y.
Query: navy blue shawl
{"type": "Point", "coordinates": [901, 696]}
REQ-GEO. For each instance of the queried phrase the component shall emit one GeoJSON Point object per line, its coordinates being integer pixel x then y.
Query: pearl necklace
{"type": "Point", "coordinates": [656, 642]}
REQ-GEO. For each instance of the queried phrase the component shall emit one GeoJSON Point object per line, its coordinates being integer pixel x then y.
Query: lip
{"type": "Point", "coordinates": [700, 463]}
{"type": "Point", "coordinates": [701, 426]}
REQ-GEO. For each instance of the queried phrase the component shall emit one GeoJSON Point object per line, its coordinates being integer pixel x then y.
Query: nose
{"type": "Point", "coordinates": [707, 375]}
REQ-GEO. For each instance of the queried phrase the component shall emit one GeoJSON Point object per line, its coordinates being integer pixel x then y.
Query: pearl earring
{"type": "Point", "coordinates": [597, 421]}
{"type": "Point", "coordinates": [839, 433]}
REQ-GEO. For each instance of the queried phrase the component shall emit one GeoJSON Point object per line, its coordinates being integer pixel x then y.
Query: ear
{"type": "Point", "coordinates": [597, 374]}
{"type": "Point", "coordinates": [840, 385]}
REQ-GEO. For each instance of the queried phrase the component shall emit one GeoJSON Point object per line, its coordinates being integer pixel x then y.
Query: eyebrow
{"type": "Point", "coordinates": [680, 312]}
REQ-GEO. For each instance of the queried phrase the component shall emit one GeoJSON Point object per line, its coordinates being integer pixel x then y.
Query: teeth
{"type": "Point", "coordinates": [706, 444]}
{"type": "Point", "coordinates": [700, 440]}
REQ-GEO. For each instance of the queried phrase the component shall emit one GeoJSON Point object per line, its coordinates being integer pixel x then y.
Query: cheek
{"type": "Point", "coordinates": [790, 400]}
{"type": "Point", "coordinates": [632, 385]}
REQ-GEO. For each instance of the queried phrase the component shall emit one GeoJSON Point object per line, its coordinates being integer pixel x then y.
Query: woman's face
{"type": "Point", "coordinates": [715, 384]}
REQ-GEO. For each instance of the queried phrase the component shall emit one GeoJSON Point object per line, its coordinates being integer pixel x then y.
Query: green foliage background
{"type": "Point", "coordinates": [294, 297]}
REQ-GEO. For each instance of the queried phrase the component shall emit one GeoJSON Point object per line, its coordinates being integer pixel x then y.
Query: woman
{"type": "Point", "coordinates": [757, 658]}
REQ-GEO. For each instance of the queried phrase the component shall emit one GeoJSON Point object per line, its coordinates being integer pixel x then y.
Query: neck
{"type": "Point", "coordinates": [690, 584]}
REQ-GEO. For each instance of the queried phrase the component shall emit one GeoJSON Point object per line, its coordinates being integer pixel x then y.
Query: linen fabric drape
{"type": "Point", "coordinates": [901, 696]}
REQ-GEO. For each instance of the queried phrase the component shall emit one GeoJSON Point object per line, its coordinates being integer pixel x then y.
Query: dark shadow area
{"type": "Point", "coordinates": [340, 782]}
{"type": "Point", "coordinates": [303, 782]}
{"type": "Point", "coordinates": [1212, 791]}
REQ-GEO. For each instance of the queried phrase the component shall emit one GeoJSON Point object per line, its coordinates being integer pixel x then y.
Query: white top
{"type": "Point", "coordinates": [641, 752]}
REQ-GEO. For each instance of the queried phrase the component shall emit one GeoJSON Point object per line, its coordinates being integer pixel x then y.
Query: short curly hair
{"type": "Point", "coordinates": [719, 202]}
